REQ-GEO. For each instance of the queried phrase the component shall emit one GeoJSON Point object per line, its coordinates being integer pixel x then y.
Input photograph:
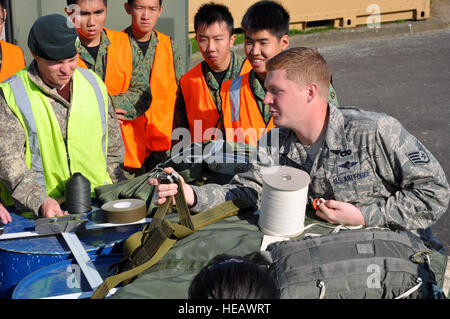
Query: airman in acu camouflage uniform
{"type": "Point", "coordinates": [259, 93]}
{"type": "Point", "coordinates": [367, 166]}
{"type": "Point", "coordinates": [367, 159]}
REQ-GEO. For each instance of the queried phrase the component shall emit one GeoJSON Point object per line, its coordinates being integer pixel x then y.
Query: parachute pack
{"type": "Point", "coordinates": [357, 264]}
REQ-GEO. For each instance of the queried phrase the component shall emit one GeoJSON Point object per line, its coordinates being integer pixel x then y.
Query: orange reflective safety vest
{"type": "Point", "coordinates": [242, 117]}
{"type": "Point", "coordinates": [13, 60]}
{"type": "Point", "coordinates": [163, 85]}
{"type": "Point", "coordinates": [117, 79]}
{"type": "Point", "coordinates": [200, 106]}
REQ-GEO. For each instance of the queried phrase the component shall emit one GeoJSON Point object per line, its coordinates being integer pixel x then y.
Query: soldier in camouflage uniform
{"type": "Point", "coordinates": [19, 180]}
{"type": "Point", "coordinates": [370, 170]}
{"type": "Point", "coordinates": [144, 49]}
{"type": "Point", "coordinates": [236, 63]}
{"type": "Point", "coordinates": [144, 41]}
{"type": "Point", "coordinates": [214, 33]}
{"type": "Point", "coordinates": [136, 100]}
{"type": "Point", "coordinates": [266, 29]}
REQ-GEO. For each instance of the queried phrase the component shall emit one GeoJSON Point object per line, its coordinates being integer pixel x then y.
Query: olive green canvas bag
{"type": "Point", "coordinates": [357, 264]}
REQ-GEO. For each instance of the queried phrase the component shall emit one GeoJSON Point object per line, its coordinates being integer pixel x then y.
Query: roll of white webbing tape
{"type": "Point", "coordinates": [283, 203]}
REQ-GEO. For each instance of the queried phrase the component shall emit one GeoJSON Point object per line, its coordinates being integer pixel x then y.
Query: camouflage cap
{"type": "Point", "coordinates": [54, 37]}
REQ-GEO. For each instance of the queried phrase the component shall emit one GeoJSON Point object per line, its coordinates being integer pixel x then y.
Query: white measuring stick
{"type": "Point", "coordinates": [84, 261]}
{"type": "Point", "coordinates": [81, 295]}
{"type": "Point", "coordinates": [91, 225]}
{"type": "Point", "coordinates": [88, 226]}
{"type": "Point", "coordinates": [27, 234]}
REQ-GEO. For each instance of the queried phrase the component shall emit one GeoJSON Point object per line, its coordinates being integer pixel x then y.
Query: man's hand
{"type": "Point", "coordinates": [340, 213]}
{"type": "Point", "coordinates": [50, 208]}
{"type": "Point", "coordinates": [120, 117]}
{"type": "Point", "coordinates": [164, 190]}
{"type": "Point", "coordinates": [5, 217]}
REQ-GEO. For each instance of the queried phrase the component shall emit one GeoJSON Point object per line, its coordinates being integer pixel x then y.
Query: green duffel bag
{"type": "Point", "coordinates": [357, 264]}
{"type": "Point", "coordinates": [171, 277]}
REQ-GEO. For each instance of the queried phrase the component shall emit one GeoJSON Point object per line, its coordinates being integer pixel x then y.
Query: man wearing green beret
{"type": "Point", "coordinates": [57, 120]}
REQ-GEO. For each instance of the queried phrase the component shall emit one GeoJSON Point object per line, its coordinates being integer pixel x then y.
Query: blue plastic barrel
{"type": "Point", "coordinates": [21, 257]}
{"type": "Point", "coordinates": [61, 279]}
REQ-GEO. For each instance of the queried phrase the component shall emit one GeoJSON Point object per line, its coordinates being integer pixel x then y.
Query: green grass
{"type": "Point", "coordinates": [312, 30]}
{"type": "Point", "coordinates": [240, 36]}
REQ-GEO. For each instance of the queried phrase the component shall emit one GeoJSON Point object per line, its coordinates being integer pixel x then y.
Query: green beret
{"type": "Point", "coordinates": [54, 37]}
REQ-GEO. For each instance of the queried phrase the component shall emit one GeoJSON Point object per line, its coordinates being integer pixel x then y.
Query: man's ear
{"type": "Point", "coordinates": [284, 42]}
{"type": "Point", "coordinates": [312, 91]}
{"type": "Point", "coordinates": [232, 39]}
{"type": "Point", "coordinates": [127, 7]}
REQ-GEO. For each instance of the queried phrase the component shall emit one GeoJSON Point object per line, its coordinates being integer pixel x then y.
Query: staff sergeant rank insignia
{"type": "Point", "coordinates": [419, 157]}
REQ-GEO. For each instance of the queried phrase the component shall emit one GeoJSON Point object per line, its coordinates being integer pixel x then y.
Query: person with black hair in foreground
{"type": "Point", "coordinates": [233, 277]}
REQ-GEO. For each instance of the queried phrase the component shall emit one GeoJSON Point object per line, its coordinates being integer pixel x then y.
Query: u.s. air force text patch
{"type": "Point", "coordinates": [418, 157]}
{"type": "Point", "coordinates": [350, 178]}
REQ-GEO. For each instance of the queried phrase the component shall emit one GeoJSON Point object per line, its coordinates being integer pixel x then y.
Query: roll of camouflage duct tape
{"type": "Point", "coordinates": [124, 211]}
{"type": "Point", "coordinates": [283, 201]}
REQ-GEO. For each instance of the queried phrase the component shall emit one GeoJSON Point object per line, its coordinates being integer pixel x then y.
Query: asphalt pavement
{"type": "Point", "coordinates": [407, 77]}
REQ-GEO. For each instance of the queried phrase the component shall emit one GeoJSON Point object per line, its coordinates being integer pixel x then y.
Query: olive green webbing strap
{"type": "Point", "coordinates": [146, 248]}
{"type": "Point", "coordinates": [182, 208]}
{"type": "Point", "coordinates": [131, 245]}
{"type": "Point", "coordinates": [154, 241]}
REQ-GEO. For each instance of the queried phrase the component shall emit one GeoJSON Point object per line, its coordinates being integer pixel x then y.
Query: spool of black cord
{"type": "Point", "coordinates": [78, 194]}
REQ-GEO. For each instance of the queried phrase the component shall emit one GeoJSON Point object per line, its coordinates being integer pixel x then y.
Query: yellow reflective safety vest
{"type": "Point", "coordinates": [47, 154]}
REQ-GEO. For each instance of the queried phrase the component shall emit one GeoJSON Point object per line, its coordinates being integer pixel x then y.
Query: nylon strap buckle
{"type": "Point", "coordinates": [422, 257]}
{"type": "Point", "coordinates": [65, 224]}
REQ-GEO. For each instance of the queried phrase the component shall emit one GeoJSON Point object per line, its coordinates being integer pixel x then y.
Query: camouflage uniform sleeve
{"type": "Point", "coordinates": [180, 119]}
{"type": "Point", "coordinates": [177, 62]}
{"type": "Point", "coordinates": [28, 195]}
{"type": "Point", "coordinates": [116, 148]}
{"type": "Point", "coordinates": [421, 190]}
{"type": "Point", "coordinates": [138, 97]}
{"type": "Point", "coordinates": [246, 185]}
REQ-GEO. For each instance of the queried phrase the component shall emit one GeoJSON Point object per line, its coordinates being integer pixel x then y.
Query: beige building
{"type": "Point", "coordinates": [340, 13]}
